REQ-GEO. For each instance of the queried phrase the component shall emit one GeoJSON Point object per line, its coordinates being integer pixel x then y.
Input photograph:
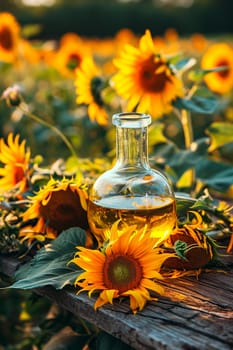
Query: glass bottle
{"type": "Point", "coordinates": [132, 193]}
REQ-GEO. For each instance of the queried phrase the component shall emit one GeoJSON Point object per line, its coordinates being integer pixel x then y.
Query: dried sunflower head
{"type": "Point", "coordinates": [193, 249]}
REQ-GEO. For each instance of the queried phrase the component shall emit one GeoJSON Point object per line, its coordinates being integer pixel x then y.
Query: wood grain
{"type": "Point", "coordinates": [194, 314]}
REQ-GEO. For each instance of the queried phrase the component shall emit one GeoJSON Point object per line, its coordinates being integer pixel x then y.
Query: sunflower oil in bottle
{"type": "Point", "coordinates": [132, 193]}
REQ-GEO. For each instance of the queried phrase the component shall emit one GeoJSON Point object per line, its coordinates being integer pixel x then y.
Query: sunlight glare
{"type": "Point", "coordinates": [38, 2]}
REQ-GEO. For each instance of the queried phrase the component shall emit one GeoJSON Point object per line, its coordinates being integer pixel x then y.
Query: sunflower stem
{"type": "Point", "coordinates": [187, 128]}
{"type": "Point", "coordinates": [186, 123]}
{"type": "Point", "coordinates": [24, 108]}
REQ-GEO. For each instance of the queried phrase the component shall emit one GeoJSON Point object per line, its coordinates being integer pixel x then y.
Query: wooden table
{"type": "Point", "coordinates": [194, 314]}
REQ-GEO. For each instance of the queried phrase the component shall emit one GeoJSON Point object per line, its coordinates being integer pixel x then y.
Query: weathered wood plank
{"type": "Point", "coordinates": [195, 314]}
{"type": "Point", "coordinates": [166, 324]}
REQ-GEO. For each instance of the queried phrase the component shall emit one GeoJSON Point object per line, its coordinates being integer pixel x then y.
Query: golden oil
{"type": "Point", "coordinates": [158, 214]}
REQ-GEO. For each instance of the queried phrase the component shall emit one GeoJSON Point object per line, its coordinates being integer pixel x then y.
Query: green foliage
{"type": "Point", "coordinates": [211, 173]}
{"type": "Point", "coordinates": [215, 175]}
{"type": "Point", "coordinates": [50, 265]}
{"type": "Point", "coordinates": [197, 104]}
{"type": "Point", "coordinates": [180, 248]}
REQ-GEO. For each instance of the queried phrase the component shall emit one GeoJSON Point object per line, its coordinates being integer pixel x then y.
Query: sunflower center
{"type": "Point", "coordinates": [6, 40]}
{"type": "Point", "coordinates": [96, 87]}
{"type": "Point", "coordinates": [73, 61]}
{"type": "Point", "coordinates": [18, 174]}
{"type": "Point", "coordinates": [122, 272]}
{"type": "Point", "coordinates": [224, 73]}
{"type": "Point", "coordinates": [152, 76]}
{"type": "Point", "coordinates": [63, 211]}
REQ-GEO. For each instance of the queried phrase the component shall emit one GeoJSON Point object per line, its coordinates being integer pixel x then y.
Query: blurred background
{"type": "Point", "coordinates": [45, 72]}
{"type": "Point", "coordinates": [44, 69]}
{"type": "Point", "coordinates": [101, 18]}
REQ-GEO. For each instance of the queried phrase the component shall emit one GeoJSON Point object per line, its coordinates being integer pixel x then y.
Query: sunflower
{"type": "Point", "coordinates": [124, 36]}
{"type": "Point", "coordinates": [70, 37]}
{"type": "Point", "coordinates": [69, 57]}
{"type": "Point", "coordinates": [145, 79]}
{"type": "Point", "coordinates": [198, 42]}
{"type": "Point", "coordinates": [219, 55]}
{"type": "Point", "coordinates": [128, 266]}
{"type": "Point", "coordinates": [193, 248]}
{"type": "Point", "coordinates": [171, 38]}
{"type": "Point", "coordinates": [15, 159]}
{"type": "Point", "coordinates": [9, 37]}
{"type": "Point", "coordinates": [89, 85]}
{"type": "Point", "coordinates": [57, 206]}
{"type": "Point", "coordinates": [29, 53]}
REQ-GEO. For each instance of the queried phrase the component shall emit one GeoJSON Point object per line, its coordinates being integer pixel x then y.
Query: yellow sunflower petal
{"type": "Point", "coordinates": [106, 296]}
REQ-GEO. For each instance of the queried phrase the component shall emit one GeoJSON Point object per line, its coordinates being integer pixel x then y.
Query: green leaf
{"type": "Point", "coordinates": [220, 134]}
{"type": "Point", "coordinates": [216, 175]}
{"type": "Point", "coordinates": [204, 205]}
{"type": "Point", "coordinates": [197, 104]}
{"type": "Point", "coordinates": [212, 174]}
{"type": "Point", "coordinates": [183, 203]}
{"type": "Point", "coordinates": [50, 264]}
{"type": "Point", "coordinates": [184, 160]}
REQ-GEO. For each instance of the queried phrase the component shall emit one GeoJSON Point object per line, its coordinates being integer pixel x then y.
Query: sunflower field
{"type": "Point", "coordinates": [57, 137]}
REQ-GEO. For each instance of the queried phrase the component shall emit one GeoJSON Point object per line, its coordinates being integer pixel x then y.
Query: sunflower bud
{"type": "Point", "coordinates": [12, 95]}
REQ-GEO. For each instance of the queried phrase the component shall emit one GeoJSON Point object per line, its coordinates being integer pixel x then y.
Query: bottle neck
{"type": "Point", "coordinates": [132, 147]}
